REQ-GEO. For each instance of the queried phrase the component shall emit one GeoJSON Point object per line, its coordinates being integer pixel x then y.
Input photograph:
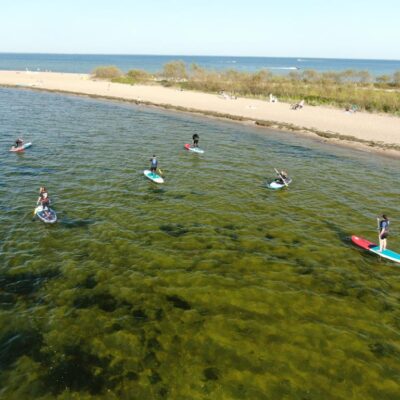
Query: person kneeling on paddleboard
{"type": "Point", "coordinates": [44, 200]}
{"type": "Point", "coordinates": [195, 138]}
{"type": "Point", "coordinates": [383, 232]}
{"type": "Point", "coordinates": [282, 177]}
{"type": "Point", "coordinates": [154, 163]}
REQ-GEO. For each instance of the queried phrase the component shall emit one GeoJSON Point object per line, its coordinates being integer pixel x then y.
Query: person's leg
{"type": "Point", "coordinates": [384, 241]}
{"type": "Point", "coordinates": [380, 243]}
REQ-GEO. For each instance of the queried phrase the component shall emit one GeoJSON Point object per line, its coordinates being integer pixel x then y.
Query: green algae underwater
{"type": "Point", "coordinates": [210, 286]}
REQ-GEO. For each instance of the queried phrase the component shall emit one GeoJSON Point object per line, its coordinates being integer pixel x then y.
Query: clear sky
{"type": "Point", "coordinates": [297, 28]}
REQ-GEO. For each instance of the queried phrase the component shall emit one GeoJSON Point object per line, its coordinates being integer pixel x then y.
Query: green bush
{"type": "Point", "coordinates": [139, 75]}
{"type": "Point", "coordinates": [107, 72]}
{"type": "Point", "coordinates": [124, 79]}
{"type": "Point", "coordinates": [175, 70]}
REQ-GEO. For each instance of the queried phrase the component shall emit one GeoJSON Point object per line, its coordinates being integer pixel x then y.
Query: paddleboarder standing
{"type": "Point", "coordinates": [195, 138]}
{"type": "Point", "coordinates": [383, 232]}
{"type": "Point", "coordinates": [154, 164]}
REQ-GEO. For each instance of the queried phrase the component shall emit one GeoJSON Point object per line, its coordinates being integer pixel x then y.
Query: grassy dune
{"type": "Point", "coordinates": [340, 89]}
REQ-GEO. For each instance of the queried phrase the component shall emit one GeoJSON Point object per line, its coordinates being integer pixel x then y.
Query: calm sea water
{"type": "Point", "coordinates": [210, 286]}
{"type": "Point", "coordinates": [85, 63]}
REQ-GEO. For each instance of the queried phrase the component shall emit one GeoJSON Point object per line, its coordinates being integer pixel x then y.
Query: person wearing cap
{"type": "Point", "coordinates": [383, 232]}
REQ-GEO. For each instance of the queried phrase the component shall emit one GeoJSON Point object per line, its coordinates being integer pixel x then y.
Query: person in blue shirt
{"type": "Point", "coordinates": [154, 164]}
{"type": "Point", "coordinates": [383, 232]}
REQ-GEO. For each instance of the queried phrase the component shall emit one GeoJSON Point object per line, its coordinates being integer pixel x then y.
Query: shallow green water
{"type": "Point", "coordinates": [208, 287]}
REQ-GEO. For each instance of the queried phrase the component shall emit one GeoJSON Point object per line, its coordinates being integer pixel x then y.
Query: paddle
{"type": "Point", "coordinates": [34, 212]}
{"type": "Point", "coordinates": [281, 177]}
{"type": "Point", "coordinates": [159, 171]}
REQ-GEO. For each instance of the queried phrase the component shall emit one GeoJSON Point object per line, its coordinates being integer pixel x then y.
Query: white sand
{"type": "Point", "coordinates": [380, 128]}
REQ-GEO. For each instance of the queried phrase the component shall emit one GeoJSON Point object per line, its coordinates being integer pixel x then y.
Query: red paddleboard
{"type": "Point", "coordinates": [363, 243]}
{"type": "Point", "coordinates": [372, 247]}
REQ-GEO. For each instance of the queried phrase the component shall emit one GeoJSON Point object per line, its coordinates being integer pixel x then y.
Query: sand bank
{"type": "Point", "coordinates": [374, 130]}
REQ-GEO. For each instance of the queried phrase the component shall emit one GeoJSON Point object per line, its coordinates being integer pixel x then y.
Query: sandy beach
{"type": "Point", "coordinates": [380, 132]}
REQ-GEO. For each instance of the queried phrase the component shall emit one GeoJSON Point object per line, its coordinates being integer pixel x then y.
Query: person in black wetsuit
{"type": "Point", "coordinates": [383, 232]}
{"type": "Point", "coordinates": [19, 143]}
{"type": "Point", "coordinates": [195, 138]}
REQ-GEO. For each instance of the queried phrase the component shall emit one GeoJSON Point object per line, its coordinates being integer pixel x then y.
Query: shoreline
{"type": "Point", "coordinates": [368, 132]}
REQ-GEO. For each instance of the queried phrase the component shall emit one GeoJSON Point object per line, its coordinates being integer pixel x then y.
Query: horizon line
{"type": "Point", "coordinates": [199, 55]}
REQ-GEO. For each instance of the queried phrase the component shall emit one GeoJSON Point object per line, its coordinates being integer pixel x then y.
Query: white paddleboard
{"type": "Point", "coordinates": [49, 216]}
{"type": "Point", "coordinates": [278, 185]}
{"type": "Point", "coordinates": [153, 176]}
{"type": "Point", "coordinates": [187, 146]}
{"type": "Point", "coordinates": [21, 148]}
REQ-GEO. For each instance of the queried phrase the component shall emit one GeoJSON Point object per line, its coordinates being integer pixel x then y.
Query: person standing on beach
{"type": "Point", "coordinates": [195, 138]}
{"type": "Point", "coordinates": [383, 232]}
{"type": "Point", "coordinates": [154, 164]}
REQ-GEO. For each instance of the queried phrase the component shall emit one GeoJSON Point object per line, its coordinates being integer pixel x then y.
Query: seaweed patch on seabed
{"type": "Point", "coordinates": [77, 370]}
{"type": "Point", "coordinates": [76, 223]}
{"type": "Point", "coordinates": [25, 284]}
{"type": "Point", "coordinates": [174, 230]}
{"type": "Point", "coordinates": [16, 344]}
{"type": "Point", "coordinates": [155, 193]}
{"type": "Point", "coordinates": [104, 301]}
{"type": "Point", "coordinates": [178, 302]}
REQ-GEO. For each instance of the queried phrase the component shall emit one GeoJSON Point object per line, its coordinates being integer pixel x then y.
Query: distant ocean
{"type": "Point", "coordinates": [85, 63]}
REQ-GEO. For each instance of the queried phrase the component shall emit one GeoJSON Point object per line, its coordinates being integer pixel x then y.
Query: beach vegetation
{"type": "Point", "coordinates": [384, 79]}
{"type": "Point", "coordinates": [134, 76]}
{"type": "Point", "coordinates": [396, 79]}
{"type": "Point", "coordinates": [139, 75]}
{"type": "Point", "coordinates": [175, 70]}
{"type": "Point", "coordinates": [349, 89]}
{"type": "Point", "coordinates": [107, 72]}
